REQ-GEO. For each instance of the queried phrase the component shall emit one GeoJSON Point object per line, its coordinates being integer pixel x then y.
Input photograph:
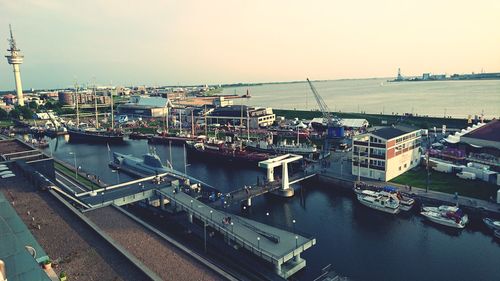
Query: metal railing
{"type": "Point", "coordinates": [226, 231]}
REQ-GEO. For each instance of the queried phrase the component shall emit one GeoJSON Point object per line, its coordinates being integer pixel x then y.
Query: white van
{"type": "Point", "coordinates": [466, 175]}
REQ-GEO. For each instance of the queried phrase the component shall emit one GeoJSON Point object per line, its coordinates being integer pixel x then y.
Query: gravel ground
{"type": "Point", "coordinates": [73, 247]}
{"type": "Point", "coordinates": [158, 255]}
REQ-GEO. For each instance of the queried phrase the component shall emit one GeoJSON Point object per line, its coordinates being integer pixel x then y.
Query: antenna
{"type": "Point", "coordinates": [12, 41]}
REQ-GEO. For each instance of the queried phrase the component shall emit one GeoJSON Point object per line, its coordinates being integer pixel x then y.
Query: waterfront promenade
{"type": "Point", "coordinates": [339, 171]}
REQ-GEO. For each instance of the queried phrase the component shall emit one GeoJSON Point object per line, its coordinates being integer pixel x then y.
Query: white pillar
{"type": "Point", "coordinates": [284, 180]}
{"type": "Point", "coordinates": [277, 268]}
{"type": "Point", "coordinates": [190, 217]}
{"type": "Point", "coordinates": [297, 258]}
{"type": "Point", "coordinates": [19, 86]}
{"type": "Point", "coordinates": [270, 174]}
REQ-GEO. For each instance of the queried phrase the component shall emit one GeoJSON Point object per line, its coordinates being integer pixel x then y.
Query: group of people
{"type": "Point", "coordinates": [226, 220]}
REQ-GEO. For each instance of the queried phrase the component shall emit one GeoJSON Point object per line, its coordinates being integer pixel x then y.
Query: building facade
{"type": "Point", "coordinates": [385, 153]}
{"type": "Point", "coordinates": [145, 106]}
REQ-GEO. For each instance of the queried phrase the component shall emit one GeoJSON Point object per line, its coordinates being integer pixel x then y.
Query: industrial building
{"type": "Point", "coordinates": [257, 117]}
{"type": "Point", "coordinates": [145, 106]}
{"type": "Point", "coordinates": [385, 153]}
{"type": "Point", "coordinates": [84, 97]}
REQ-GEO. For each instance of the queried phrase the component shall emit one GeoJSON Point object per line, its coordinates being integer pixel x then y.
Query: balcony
{"type": "Point", "coordinates": [362, 143]}
{"type": "Point", "coordinates": [380, 168]}
{"type": "Point", "coordinates": [379, 145]}
{"type": "Point", "coordinates": [377, 156]}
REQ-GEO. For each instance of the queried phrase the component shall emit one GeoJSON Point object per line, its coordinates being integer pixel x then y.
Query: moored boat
{"type": "Point", "coordinates": [492, 224]}
{"type": "Point", "coordinates": [383, 202]}
{"type": "Point", "coordinates": [94, 135]}
{"type": "Point", "coordinates": [405, 203]}
{"type": "Point", "coordinates": [456, 219]}
{"type": "Point", "coordinates": [219, 150]}
{"type": "Point", "coordinates": [439, 209]}
{"type": "Point", "coordinates": [164, 138]}
{"type": "Point", "coordinates": [497, 234]}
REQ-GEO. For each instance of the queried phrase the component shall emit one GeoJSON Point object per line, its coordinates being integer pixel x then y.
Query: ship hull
{"type": "Point", "coordinates": [214, 155]}
{"type": "Point", "coordinates": [167, 140]}
{"type": "Point", "coordinates": [377, 207]}
{"type": "Point", "coordinates": [81, 136]}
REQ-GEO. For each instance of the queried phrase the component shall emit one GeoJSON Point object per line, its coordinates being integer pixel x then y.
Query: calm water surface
{"type": "Point", "coordinates": [359, 242]}
{"type": "Point", "coordinates": [436, 98]}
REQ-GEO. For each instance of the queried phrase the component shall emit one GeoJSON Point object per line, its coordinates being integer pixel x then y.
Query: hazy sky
{"type": "Point", "coordinates": [161, 42]}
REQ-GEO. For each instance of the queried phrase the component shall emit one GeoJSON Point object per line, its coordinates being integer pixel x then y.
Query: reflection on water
{"type": "Point", "coordinates": [359, 242]}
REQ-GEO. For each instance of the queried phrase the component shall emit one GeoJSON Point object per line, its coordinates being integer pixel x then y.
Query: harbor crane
{"type": "Point", "coordinates": [334, 129]}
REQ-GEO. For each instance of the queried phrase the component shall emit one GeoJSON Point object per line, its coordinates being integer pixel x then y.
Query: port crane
{"type": "Point", "coordinates": [331, 121]}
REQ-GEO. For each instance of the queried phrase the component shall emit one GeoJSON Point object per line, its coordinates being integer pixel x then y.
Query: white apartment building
{"type": "Point", "coordinates": [385, 153]}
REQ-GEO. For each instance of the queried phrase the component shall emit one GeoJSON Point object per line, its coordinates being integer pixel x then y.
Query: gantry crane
{"type": "Point", "coordinates": [334, 129]}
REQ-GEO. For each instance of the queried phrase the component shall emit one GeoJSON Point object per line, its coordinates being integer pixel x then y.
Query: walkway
{"type": "Point", "coordinates": [279, 247]}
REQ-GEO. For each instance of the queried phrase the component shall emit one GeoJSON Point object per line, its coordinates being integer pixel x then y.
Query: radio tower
{"type": "Point", "coordinates": [15, 58]}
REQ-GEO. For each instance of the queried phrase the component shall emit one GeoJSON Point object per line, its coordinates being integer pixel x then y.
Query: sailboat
{"type": "Point", "coordinates": [85, 133]}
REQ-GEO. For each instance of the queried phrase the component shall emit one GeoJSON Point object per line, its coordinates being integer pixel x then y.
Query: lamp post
{"type": "Point", "coordinates": [359, 164]}
{"type": "Point", "coordinates": [258, 242]}
{"type": "Point", "coordinates": [293, 222]}
{"type": "Point", "coordinates": [211, 215]}
{"type": "Point", "coordinates": [232, 225]}
{"type": "Point", "coordinates": [76, 168]}
{"type": "Point", "coordinates": [296, 241]}
{"type": "Point", "coordinates": [191, 203]}
{"type": "Point", "coordinates": [118, 176]}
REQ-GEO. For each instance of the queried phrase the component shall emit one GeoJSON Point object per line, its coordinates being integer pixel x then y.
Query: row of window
{"type": "Point", "coordinates": [379, 163]}
{"type": "Point", "coordinates": [376, 140]}
{"type": "Point", "coordinates": [406, 137]}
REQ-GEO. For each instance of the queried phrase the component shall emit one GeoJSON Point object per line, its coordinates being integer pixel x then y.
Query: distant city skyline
{"type": "Point", "coordinates": [230, 41]}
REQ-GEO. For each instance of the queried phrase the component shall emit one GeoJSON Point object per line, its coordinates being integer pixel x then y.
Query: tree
{"type": "Point", "coordinates": [33, 105]}
{"type": "Point", "coordinates": [21, 111]}
{"type": "Point", "coordinates": [14, 113]}
{"type": "Point", "coordinates": [3, 114]}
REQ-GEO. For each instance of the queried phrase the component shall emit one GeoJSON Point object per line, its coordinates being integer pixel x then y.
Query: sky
{"type": "Point", "coordinates": [166, 42]}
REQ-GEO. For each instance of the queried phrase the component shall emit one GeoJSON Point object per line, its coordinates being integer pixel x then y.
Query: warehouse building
{"type": "Point", "coordinates": [385, 153]}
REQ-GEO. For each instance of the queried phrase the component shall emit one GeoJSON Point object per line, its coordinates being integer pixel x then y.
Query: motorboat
{"type": "Point", "coordinates": [388, 203]}
{"type": "Point", "coordinates": [497, 234]}
{"type": "Point", "coordinates": [492, 224]}
{"type": "Point", "coordinates": [405, 203]}
{"type": "Point", "coordinates": [456, 219]}
{"type": "Point", "coordinates": [439, 209]}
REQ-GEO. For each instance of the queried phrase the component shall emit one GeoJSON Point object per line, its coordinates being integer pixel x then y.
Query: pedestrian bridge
{"type": "Point", "coordinates": [279, 247]}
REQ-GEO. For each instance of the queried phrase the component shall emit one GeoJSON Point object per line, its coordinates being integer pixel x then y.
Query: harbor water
{"type": "Point", "coordinates": [357, 241]}
{"type": "Point", "coordinates": [433, 98]}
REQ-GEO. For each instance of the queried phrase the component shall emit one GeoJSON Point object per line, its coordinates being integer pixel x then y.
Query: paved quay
{"type": "Point", "coordinates": [339, 171]}
{"type": "Point", "coordinates": [73, 247]}
{"type": "Point", "coordinates": [157, 254]}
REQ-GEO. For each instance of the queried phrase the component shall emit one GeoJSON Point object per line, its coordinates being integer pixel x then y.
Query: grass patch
{"type": "Point", "coordinates": [71, 174]}
{"type": "Point", "coordinates": [376, 119]}
{"type": "Point", "coordinates": [6, 123]}
{"type": "Point", "coordinates": [448, 183]}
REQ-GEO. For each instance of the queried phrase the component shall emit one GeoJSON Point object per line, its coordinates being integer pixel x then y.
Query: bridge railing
{"type": "Point", "coordinates": [227, 230]}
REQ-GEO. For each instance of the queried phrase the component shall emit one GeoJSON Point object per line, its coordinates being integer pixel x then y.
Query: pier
{"type": "Point", "coordinates": [279, 247]}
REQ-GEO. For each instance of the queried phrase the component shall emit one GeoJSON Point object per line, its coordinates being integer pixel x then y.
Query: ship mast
{"type": "Point", "coordinates": [192, 122]}
{"type": "Point", "coordinates": [76, 102]}
{"type": "Point", "coordinates": [95, 104]}
{"type": "Point", "coordinates": [112, 111]}
{"type": "Point", "coordinates": [248, 126]}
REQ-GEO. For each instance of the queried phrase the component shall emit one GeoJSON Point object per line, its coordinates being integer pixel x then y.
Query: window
{"type": "Point", "coordinates": [405, 165]}
{"type": "Point", "coordinates": [400, 168]}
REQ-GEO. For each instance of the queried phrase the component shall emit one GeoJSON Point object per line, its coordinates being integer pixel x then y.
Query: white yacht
{"type": "Point", "coordinates": [382, 202]}
{"type": "Point", "coordinates": [405, 203]}
{"type": "Point", "coordinates": [452, 219]}
{"type": "Point", "coordinates": [442, 208]}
